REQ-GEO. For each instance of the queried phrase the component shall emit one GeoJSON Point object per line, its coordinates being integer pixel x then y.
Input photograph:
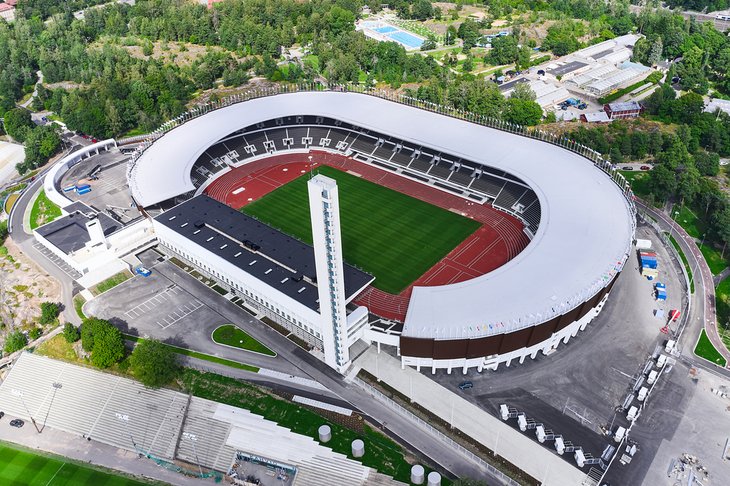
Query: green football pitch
{"type": "Point", "coordinates": [19, 467]}
{"type": "Point", "coordinates": [390, 235]}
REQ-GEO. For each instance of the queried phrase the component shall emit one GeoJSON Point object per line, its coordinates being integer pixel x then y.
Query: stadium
{"type": "Point", "coordinates": [464, 246]}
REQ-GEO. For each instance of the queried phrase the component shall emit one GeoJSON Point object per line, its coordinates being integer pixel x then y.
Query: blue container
{"type": "Point", "coordinates": [85, 190]}
{"type": "Point", "coordinates": [82, 186]}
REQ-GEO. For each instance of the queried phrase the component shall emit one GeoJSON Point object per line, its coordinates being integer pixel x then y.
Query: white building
{"type": "Point", "coordinates": [273, 273]}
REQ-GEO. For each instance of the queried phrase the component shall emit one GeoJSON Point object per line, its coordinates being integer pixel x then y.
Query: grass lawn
{"type": "Point", "coordinates": [111, 282]}
{"type": "Point", "coordinates": [204, 357]}
{"type": "Point", "coordinates": [714, 258]}
{"type": "Point", "coordinates": [43, 211]}
{"type": "Point", "coordinates": [705, 349]}
{"type": "Point", "coordinates": [231, 335]}
{"type": "Point", "coordinates": [381, 453]}
{"type": "Point", "coordinates": [390, 235]}
{"type": "Point", "coordinates": [20, 466]}
{"type": "Point", "coordinates": [57, 348]}
{"type": "Point", "coordinates": [79, 302]}
{"type": "Point", "coordinates": [639, 182]}
{"type": "Point", "coordinates": [684, 262]}
{"type": "Point", "coordinates": [688, 220]}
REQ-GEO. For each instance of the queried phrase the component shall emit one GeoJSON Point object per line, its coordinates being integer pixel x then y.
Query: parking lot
{"type": "Point", "coordinates": [172, 306]}
{"type": "Point", "coordinates": [579, 390]}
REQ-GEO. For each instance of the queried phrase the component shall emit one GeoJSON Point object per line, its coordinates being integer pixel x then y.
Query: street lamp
{"type": "Point", "coordinates": [125, 418]}
{"type": "Point", "coordinates": [19, 394]}
{"type": "Point", "coordinates": [193, 439]}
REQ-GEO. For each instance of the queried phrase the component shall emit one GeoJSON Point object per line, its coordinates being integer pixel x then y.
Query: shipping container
{"type": "Point", "coordinates": [85, 190]}
{"type": "Point", "coordinates": [81, 187]}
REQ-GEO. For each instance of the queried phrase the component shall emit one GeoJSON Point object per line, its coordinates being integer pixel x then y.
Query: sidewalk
{"type": "Point", "coordinates": [538, 461]}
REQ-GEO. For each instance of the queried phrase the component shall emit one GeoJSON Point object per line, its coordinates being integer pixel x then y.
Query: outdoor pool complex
{"type": "Point", "coordinates": [385, 32]}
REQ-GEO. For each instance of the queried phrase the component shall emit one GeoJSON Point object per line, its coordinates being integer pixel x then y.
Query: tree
{"type": "Point", "coordinates": [3, 231]}
{"type": "Point", "coordinates": [523, 91]}
{"type": "Point", "coordinates": [153, 363]}
{"type": "Point", "coordinates": [504, 50]}
{"type": "Point", "coordinates": [70, 333]}
{"type": "Point", "coordinates": [688, 184]}
{"type": "Point", "coordinates": [18, 123]}
{"type": "Point", "coordinates": [421, 10]}
{"type": "Point", "coordinates": [655, 54]}
{"type": "Point", "coordinates": [708, 163]}
{"type": "Point", "coordinates": [15, 341]}
{"type": "Point", "coordinates": [522, 111]}
{"type": "Point", "coordinates": [49, 312]}
{"type": "Point", "coordinates": [35, 333]}
{"type": "Point", "coordinates": [451, 35]}
{"type": "Point", "coordinates": [469, 32]}
{"type": "Point", "coordinates": [108, 346]}
{"type": "Point", "coordinates": [662, 182]}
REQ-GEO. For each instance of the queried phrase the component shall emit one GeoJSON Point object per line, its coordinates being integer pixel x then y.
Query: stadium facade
{"type": "Point", "coordinates": [577, 212]}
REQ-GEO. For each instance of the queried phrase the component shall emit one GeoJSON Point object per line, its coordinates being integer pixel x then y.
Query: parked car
{"type": "Point", "coordinates": [645, 167]}
{"type": "Point", "coordinates": [628, 167]}
{"type": "Point", "coordinates": [2, 414]}
{"type": "Point", "coordinates": [17, 423]}
{"type": "Point", "coordinates": [466, 385]}
{"type": "Point", "coordinates": [145, 272]}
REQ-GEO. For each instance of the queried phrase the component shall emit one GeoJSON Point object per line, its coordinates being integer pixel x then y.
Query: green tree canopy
{"type": "Point", "coordinates": [153, 363]}
{"type": "Point", "coordinates": [15, 341]}
{"type": "Point", "coordinates": [49, 312]}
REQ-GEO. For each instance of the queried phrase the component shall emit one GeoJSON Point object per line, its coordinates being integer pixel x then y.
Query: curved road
{"type": "Point", "coordinates": [704, 310]}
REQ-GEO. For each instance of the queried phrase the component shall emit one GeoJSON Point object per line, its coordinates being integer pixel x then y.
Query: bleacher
{"type": "Point", "coordinates": [164, 423]}
{"type": "Point", "coordinates": [463, 177]}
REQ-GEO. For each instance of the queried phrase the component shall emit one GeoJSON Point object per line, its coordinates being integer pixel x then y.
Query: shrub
{"type": "Point", "coordinates": [71, 333]}
{"type": "Point", "coordinates": [35, 333]}
{"type": "Point", "coordinates": [15, 341]}
{"type": "Point", "coordinates": [153, 363]}
{"type": "Point", "coordinates": [49, 312]}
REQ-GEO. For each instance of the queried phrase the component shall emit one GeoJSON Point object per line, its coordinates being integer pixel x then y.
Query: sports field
{"type": "Point", "coordinates": [20, 467]}
{"type": "Point", "coordinates": [390, 235]}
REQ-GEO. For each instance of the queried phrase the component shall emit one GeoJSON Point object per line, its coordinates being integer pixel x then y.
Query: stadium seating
{"type": "Point", "coordinates": [465, 178]}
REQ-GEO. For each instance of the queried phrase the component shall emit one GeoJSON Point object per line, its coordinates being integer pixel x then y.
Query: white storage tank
{"type": "Point", "coordinates": [358, 448]}
{"type": "Point", "coordinates": [417, 474]}
{"type": "Point", "coordinates": [434, 479]}
{"type": "Point", "coordinates": [325, 433]}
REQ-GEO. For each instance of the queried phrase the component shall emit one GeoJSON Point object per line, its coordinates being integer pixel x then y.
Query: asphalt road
{"type": "Point", "coordinates": [703, 313]}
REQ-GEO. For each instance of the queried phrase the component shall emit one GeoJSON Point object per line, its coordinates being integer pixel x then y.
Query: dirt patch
{"type": "Point", "coordinates": [24, 286]}
{"type": "Point", "coordinates": [180, 53]}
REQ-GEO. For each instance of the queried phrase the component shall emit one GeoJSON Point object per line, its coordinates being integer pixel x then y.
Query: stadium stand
{"type": "Point", "coordinates": [159, 423]}
{"type": "Point", "coordinates": [465, 178]}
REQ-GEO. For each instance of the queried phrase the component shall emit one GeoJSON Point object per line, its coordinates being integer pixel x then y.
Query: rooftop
{"type": "Point", "coordinates": [271, 256]}
{"type": "Point", "coordinates": [624, 106]}
{"type": "Point", "coordinates": [69, 233]}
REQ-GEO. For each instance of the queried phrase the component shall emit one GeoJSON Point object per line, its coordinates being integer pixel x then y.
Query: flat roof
{"type": "Point", "coordinates": [624, 106]}
{"type": "Point", "coordinates": [583, 240]}
{"type": "Point", "coordinates": [271, 256]}
{"type": "Point", "coordinates": [567, 68]}
{"type": "Point", "coordinates": [69, 234]}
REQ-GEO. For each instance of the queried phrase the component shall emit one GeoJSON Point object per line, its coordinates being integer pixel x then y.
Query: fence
{"type": "Point", "coordinates": [496, 473]}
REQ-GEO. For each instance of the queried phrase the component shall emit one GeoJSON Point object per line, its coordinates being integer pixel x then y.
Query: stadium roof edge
{"type": "Point", "coordinates": [577, 249]}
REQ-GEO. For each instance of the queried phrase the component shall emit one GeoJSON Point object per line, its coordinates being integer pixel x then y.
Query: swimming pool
{"type": "Point", "coordinates": [385, 30]}
{"type": "Point", "coordinates": [405, 38]}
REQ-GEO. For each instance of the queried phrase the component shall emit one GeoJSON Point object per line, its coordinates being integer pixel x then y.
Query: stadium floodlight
{"type": "Point", "coordinates": [19, 393]}
{"type": "Point", "coordinates": [193, 439]}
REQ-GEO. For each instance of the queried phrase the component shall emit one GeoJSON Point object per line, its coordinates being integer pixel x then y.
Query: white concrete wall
{"type": "Point", "coordinates": [56, 172]}
{"type": "Point", "coordinates": [239, 280]}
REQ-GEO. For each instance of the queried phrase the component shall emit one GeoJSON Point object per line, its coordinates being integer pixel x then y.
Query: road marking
{"type": "Point", "coordinates": [170, 320]}
{"type": "Point", "coordinates": [55, 474]}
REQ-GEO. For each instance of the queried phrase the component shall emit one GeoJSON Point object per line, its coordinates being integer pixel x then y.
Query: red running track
{"type": "Point", "coordinates": [497, 241]}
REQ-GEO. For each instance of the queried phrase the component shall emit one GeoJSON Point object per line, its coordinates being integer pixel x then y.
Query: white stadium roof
{"type": "Point", "coordinates": [585, 230]}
